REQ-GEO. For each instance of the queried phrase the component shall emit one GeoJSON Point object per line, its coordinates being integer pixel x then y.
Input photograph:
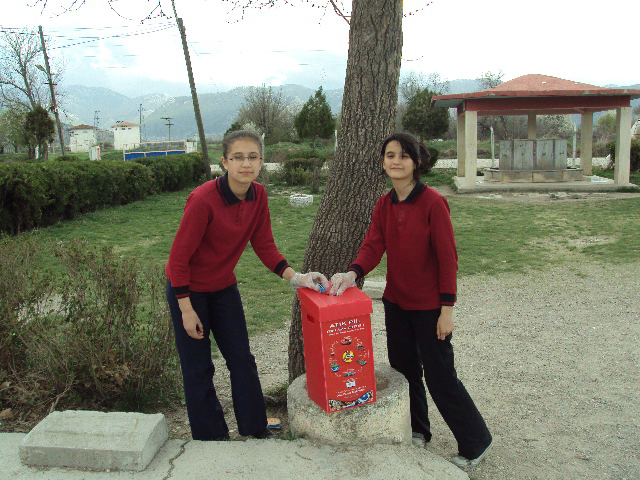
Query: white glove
{"type": "Point", "coordinates": [313, 280]}
{"type": "Point", "coordinates": [341, 281]}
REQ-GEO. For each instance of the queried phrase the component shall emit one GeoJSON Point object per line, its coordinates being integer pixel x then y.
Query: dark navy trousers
{"type": "Point", "coordinates": [222, 316]}
{"type": "Point", "coordinates": [415, 351]}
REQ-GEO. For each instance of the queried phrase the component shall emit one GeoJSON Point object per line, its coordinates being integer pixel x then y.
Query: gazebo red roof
{"type": "Point", "coordinates": [541, 94]}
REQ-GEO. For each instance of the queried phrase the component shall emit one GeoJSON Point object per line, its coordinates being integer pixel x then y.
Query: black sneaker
{"type": "Point", "coordinates": [222, 438]}
{"type": "Point", "coordinates": [265, 434]}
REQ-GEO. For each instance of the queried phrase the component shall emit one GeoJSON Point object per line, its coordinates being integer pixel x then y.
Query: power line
{"type": "Point", "coordinates": [88, 39]}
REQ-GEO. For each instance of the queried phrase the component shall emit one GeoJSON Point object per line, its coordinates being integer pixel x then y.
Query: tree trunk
{"type": "Point", "coordinates": [356, 178]}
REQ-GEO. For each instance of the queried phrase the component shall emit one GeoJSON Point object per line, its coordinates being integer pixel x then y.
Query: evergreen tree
{"type": "Point", "coordinates": [39, 127]}
{"type": "Point", "coordinates": [315, 119]}
{"type": "Point", "coordinates": [422, 119]}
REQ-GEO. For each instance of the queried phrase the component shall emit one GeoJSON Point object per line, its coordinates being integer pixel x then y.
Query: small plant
{"type": "Point", "coordinates": [634, 155]}
{"type": "Point", "coordinates": [302, 171]}
{"type": "Point", "coordinates": [66, 158]}
{"type": "Point", "coordinates": [98, 339]}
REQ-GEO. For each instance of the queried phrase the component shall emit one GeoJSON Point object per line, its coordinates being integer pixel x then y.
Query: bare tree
{"type": "Point", "coordinates": [23, 85]}
{"type": "Point", "coordinates": [490, 79]}
{"type": "Point", "coordinates": [503, 127]}
{"type": "Point", "coordinates": [266, 108]}
{"type": "Point", "coordinates": [412, 82]}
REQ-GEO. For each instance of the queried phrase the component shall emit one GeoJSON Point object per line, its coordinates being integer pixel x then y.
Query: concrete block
{"type": "Point", "coordinates": [572, 175]}
{"type": "Point", "coordinates": [95, 440]}
{"type": "Point", "coordinates": [516, 176]}
{"type": "Point", "coordinates": [374, 289]}
{"type": "Point", "coordinates": [546, 176]}
{"type": "Point", "coordinates": [492, 175]}
{"type": "Point", "coordinates": [387, 421]}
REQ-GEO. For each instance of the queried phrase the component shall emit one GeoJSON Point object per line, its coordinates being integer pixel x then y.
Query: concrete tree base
{"type": "Point", "coordinates": [385, 422]}
{"type": "Point", "coordinates": [95, 440]}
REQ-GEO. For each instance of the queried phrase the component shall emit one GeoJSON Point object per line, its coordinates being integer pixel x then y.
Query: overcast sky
{"type": "Point", "coordinates": [458, 39]}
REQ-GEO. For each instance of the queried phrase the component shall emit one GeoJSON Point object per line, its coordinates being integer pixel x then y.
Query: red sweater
{"type": "Point", "coordinates": [421, 250]}
{"type": "Point", "coordinates": [214, 231]}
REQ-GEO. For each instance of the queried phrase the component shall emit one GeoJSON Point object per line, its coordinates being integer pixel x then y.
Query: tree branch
{"type": "Point", "coordinates": [338, 11]}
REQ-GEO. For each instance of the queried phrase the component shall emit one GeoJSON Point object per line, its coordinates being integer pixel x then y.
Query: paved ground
{"type": "Point", "coordinates": [255, 460]}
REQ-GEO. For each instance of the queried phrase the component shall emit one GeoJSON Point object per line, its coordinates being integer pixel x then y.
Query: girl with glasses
{"type": "Point", "coordinates": [412, 224]}
{"type": "Point", "coordinates": [220, 217]}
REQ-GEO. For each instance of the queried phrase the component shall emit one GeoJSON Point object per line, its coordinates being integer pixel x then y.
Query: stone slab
{"type": "Point", "coordinates": [588, 184]}
{"type": "Point", "coordinates": [387, 421]}
{"type": "Point", "coordinates": [374, 289]}
{"type": "Point", "coordinates": [95, 440]}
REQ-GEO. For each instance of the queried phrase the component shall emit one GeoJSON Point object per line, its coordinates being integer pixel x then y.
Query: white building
{"type": "Point", "coordinates": [125, 132]}
{"type": "Point", "coordinates": [82, 138]}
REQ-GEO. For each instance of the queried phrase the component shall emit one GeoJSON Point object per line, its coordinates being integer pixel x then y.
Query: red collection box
{"type": "Point", "coordinates": [338, 352]}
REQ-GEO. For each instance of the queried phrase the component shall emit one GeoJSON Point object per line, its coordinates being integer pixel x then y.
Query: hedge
{"type": "Point", "coordinates": [174, 172]}
{"type": "Point", "coordinates": [37, 194]}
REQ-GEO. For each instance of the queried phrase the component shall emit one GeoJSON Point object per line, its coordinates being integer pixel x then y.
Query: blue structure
{"type": "Point", "coordinates": [134, 155]}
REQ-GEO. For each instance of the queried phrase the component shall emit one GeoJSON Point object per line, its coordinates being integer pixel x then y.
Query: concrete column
{"type": "Point", "coordinates": [623, 146]}
{"type": "Point", "coordinates": [532, 126]}
{"type": "Point", "coordinates": [586, 143]}
{"type": "Point", "coordinates": [461, 147]}
{"type": "Point", "coordinates": [470, 147]}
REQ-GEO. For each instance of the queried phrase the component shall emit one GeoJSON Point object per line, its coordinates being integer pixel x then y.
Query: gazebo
{"type": "Point", "coordinates": [534, 95]}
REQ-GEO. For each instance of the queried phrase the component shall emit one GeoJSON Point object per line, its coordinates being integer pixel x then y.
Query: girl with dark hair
{"type": "Point", "coordinates": [412, 224]}
{"type": "Point", "coordinates": [220, 217]}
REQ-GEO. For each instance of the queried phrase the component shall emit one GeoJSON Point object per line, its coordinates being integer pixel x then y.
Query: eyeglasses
{"type": "Point", "coordinates": [241, 158]}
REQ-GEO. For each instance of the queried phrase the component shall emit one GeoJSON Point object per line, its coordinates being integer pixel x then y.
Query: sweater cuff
{"type": "Point", "coordinates": [181, 292]}
{"type": "Point", "coordinates": [281, 267]}
{"type": "Point", "coordinates": [448, 299]}
{"type": "Point", "coordinates": [354, 267]}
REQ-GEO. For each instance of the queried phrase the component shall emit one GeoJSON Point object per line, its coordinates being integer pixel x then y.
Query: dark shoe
{"type": "Point", "coordinates": [221, 438]}
{"type": "Point", "coordinates": [265, 434]}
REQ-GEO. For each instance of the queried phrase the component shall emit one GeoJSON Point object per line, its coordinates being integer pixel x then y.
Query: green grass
{"type": "Point", "coordinates": [145, 230]}
{"type": "Point", "coordinates": [492, 237]}
{"type": "Point", "coordinates": [634, 177]}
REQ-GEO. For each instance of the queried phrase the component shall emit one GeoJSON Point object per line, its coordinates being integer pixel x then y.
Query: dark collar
{"type": "Point", "coordinates": [228, 195]}
{"type": "Point", "coordinates": [414, 193]}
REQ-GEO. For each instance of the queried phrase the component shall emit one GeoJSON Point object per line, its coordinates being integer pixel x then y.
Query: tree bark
{"type": "Point", "coordinates": [356, 178]}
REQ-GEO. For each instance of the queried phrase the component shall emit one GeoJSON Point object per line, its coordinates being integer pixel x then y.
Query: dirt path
{"type": "Point", "coordinates": [551, 359]}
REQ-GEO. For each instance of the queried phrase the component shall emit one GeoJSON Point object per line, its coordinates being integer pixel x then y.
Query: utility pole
{"type": "Point", "coordinates": [194, 94]}
{"type": "Point", "coordinates": [96, 120]}
{"type": "Point", "coordinates": [141, 122]}
{"type": "Point", "coordinates": [168, 124]}
{"type": "Point", "coordinates": [54, 105]}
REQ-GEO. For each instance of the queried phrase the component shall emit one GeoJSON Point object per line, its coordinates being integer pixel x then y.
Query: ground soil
{"type": "Point", "coordinates": [551, 359]}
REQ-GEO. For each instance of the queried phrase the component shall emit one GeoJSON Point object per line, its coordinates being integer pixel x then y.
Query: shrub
{"type": "Point", "coordinates": [101, 340]}
{"type": "Point", "coordinates": [600, 149]}
{"type": "Point", "coordinates": [434, 153]}
{"type": "Point", "coordinates": [67, 158]}
{"type": "Point", "coordinates": [301, 172]}
{"type": "Point", "coordinates": [634, 155]}
{"type": "Point", "coordinates": [174, 172]}
{"type": "Point", "coordinates": [304, 153]}
{"type": "Point", "coordinates": [42, 193]}
{"type": "Point", "coordinates": [35, 194]}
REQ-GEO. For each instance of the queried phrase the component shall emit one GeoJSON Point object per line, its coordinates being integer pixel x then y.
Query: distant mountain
{"type": "Point", "coordinates": [463, 86]}
{"type": "Point", "coordinates": [80, 103]}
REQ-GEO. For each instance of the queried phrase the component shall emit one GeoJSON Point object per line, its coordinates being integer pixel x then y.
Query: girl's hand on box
{"type": "Point", "coordinates": [313, 280]}
{"type": "Point", "coordinates": [341, 281]}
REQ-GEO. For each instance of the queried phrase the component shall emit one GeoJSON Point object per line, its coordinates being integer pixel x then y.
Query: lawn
{"type": "Point", "coordinates": [492, 236]}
